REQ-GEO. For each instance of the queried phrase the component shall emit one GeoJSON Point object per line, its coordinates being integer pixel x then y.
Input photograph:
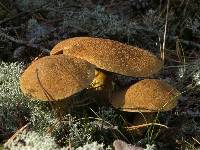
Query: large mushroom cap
{"type": "Point", "coordinates": [59, 76]}
{"type": "Point", "coordinates": [149, 95]}
{"type": "Point", "coordinates": [111, 55]}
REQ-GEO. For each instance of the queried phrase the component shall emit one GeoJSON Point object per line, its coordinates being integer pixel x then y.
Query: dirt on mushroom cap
{"type": "Point", "coordinates": [149, 95]}
{"type": "Point", "coordinates": [111, 55]}
{"type": "Point", "coordinates": [59, 76]}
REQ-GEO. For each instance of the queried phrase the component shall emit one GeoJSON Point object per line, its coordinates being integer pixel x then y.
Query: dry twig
{"type": "Point", "coordinates": [145, 125]}
{"type": "Point", "coordinates": [27, 43]}
{"type": "Point", "coordinates": [10, 140]}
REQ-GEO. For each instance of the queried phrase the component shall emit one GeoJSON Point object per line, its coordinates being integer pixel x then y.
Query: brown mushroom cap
{"type": "Point", "coordinates": [149, 95]}
{"type": "Point", "coordinates": [111, 55]}
{"type": "Point", "coordinates": [59, 76]}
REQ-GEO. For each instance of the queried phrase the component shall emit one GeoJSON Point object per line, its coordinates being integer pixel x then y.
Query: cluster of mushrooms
{"type": "Point", "coordinates": [73, 65]}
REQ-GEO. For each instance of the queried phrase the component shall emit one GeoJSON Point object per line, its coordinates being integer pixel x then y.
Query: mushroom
{"type": "Point", "coordinates": [148, 95]}
{"type": "Point", "coordinates": [56, 79]}
{"type": "Point", "coordinates": [58, 76]}
{"type": "Point", "coordinates": [111, 55]}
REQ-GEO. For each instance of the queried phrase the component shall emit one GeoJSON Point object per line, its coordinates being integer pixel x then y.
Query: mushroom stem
{"type": "Point", "coordinates": [100, 81]}
{"type": "Point", "coordinates": [102, 85]}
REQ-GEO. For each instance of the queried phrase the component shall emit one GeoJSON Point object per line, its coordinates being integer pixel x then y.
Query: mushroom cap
{"type": "Point", "coordinates": [111, 55]}
{"type": "Point", "coordinates": [148, 95]}
{"type": "Point", "coordinates": [56, 77]}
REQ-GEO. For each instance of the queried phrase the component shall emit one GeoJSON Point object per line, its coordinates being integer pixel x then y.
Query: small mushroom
{"type": "Point", "coordinates": [111, 55]}
{"type": "Point", "coordinates": [148, 95]}
{"type": "Point", "coordinates": [56, 77]}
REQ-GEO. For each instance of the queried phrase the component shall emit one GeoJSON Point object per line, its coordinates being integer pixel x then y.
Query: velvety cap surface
{"type": "Point", "coordinates": [111, 55]}
{"type": "Point", "coordinates": [59, 76]}
{"type": "Point", "coordinates": [149, 95]}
